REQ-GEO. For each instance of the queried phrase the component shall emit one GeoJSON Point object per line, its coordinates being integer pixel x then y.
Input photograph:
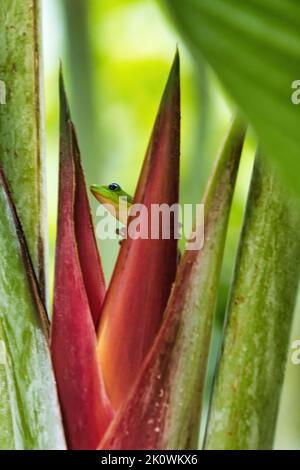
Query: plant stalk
{"type": "Point", "coordinates": [253, 359]}
{"type": "Point", "coordinates": [80, 67]}
{"type": "Point", "coordinates": [22, 121]}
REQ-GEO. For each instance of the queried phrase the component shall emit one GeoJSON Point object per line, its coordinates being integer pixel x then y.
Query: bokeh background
{"type": "Point", "coordinates": [116, 56]}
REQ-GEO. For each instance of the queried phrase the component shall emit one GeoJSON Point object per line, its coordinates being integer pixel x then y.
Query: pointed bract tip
{"type": "Point", "coordinates": [64, 105]}
{"type": "Point", "coordinates": [173, 83]}
{"type": "Point", "coordinates": [175, 69]}
{"type": "Point", "coordinates": [177, 55]}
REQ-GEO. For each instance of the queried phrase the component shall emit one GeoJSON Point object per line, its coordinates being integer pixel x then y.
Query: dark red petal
{"type": "Point", "coordinates": [89, 259]}
{"type": "Point", "coordinates": [85, 407]}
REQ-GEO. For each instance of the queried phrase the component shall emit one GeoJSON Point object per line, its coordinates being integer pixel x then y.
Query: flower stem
{"type": "Point", "coordinates": [21, 122]}
{"type": "Point", "coordinates": [251, 369]}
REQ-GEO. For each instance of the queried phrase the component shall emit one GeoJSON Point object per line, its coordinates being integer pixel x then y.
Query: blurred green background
{"type": "Point", "coordinates": [116, 56]}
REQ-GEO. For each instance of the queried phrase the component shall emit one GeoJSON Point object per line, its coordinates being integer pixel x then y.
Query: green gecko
{"type": "Point", "coordinates": [111, 195]}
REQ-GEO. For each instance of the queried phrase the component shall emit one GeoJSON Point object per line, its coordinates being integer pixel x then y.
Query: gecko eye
{"type": "Point", "coordinates": [114, 187]}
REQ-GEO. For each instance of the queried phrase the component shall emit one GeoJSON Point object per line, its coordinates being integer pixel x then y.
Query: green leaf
{"type": "Point", "coordinates": [249, 380]}
{"type": "Point", "coordinates": [254, 47]}
{"type": "Point", "coordinates": [29, 410]}
{"type": "Point", "coordinates": [161, 412]}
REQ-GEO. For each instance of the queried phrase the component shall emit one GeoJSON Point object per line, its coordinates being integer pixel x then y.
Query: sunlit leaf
{"type": "Point", "coordinates": [254, 46]}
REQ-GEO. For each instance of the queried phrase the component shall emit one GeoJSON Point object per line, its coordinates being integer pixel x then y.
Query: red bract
{"type": "Point", "coordinates": [146, 268]}
{"type": "Point", "coordinates": [86, 244]}
{"type": "Point", "coordinates": [78, 295]}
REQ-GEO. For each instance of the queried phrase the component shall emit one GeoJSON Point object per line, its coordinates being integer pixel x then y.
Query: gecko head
{"type": "Point", "coordinates": [109, 194]}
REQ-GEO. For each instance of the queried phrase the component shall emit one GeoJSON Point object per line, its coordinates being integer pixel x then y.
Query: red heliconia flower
{"type": "Point", "coordinates": [126, 360]}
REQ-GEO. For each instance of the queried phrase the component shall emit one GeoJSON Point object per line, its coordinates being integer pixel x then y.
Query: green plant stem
{"type": "Point", "coordinates": [29, 409]}
{"type": "Point", "coordinates": [251, 369]}
{"type": "Point", "coordinates": [21, 122]}
{"type": "Point", "coordinates": [198, 169]}
{"type": "Point", "coordinates": [78, 52]}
